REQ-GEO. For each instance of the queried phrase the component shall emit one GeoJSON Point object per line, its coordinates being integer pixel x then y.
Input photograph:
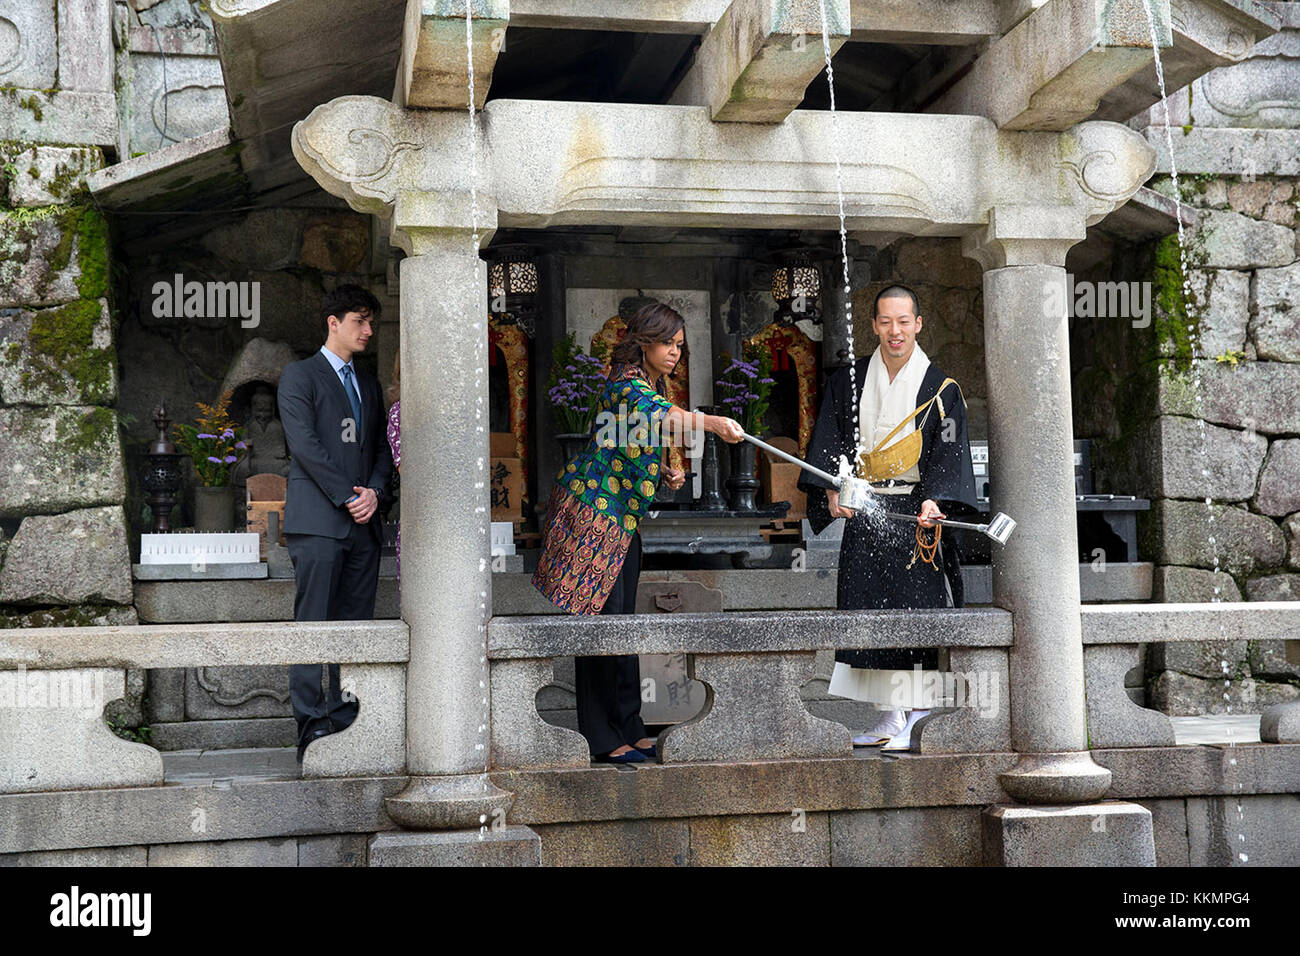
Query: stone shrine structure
{"type": "Point", "coordinates": [1052, 131]}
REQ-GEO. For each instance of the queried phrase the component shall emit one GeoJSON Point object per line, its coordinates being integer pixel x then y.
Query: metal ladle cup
{"type": "Point", "coordinates": [856, 494]}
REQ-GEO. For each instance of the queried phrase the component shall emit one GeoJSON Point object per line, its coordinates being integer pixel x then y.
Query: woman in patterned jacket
{"type": "Point", "coordinates": [591, 557]}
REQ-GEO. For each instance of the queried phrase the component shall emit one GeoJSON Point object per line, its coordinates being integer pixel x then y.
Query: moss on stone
{"type": "Point", "coordinates": [87, 433]}
{"type": "Point", "coordinates": [33, 106]}
{"type": "Point", "coordinates": [92, 251]}
{"type": "Point", "coordinates": [1177, 319]}
{"type": "Point", "coordinates": [61, 346]}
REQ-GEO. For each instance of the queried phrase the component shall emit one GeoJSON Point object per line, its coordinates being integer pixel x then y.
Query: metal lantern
{"type": "Point", "coordinates": [796, 286]}
{"type": "Point", "coordinates": [513, 286]}
{"type": "Point", "coordinates": [162, 471]}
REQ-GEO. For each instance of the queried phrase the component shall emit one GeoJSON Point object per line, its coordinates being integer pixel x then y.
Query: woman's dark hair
{"type": "Point", "coordinates": [347, 298]}
{"type": "Point", "coordinates": [652, 323]}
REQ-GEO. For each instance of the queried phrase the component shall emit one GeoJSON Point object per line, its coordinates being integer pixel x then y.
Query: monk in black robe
{"type": "Point", "coordinates": [879, 564]}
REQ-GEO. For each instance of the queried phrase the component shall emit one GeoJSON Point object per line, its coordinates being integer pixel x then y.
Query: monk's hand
{"type": "Point", "coordinates": [833, 500]}
{"type": "Point", "coordinates": [929, 510]}
{"type": "Point", "coordinates": [363, 505]}
{"type": "Point", "coordinates": [674, 478]}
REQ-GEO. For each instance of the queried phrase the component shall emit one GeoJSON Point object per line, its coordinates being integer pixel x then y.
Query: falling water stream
{"type": "Point", "coordinates": [1239, 853]}
{"type": "Point", "coordinates": [483, 743]}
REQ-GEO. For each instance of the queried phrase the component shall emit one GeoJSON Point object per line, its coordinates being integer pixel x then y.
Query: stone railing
{"type": "Point", "coordinates": [1112, 634]}
{"type": "Point", "coordinates": [753, 665]}
{"type": "Point", "coordinates": [54, 683]}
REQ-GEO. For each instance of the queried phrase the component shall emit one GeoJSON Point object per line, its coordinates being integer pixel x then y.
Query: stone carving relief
{"type": "Point", "coordinates": [1108, 163]}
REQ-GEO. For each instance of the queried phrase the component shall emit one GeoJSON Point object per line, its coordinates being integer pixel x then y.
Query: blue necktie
{"type": "Point", "coordinates": [353, 397]}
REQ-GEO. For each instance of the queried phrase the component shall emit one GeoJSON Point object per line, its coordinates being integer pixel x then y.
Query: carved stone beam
{"type": "Point", "coordinates": [1053, 68]}
{"type": "Point", "coordinates": [434, 70]}
{"type": "Point", "coordinates": [758, 59]}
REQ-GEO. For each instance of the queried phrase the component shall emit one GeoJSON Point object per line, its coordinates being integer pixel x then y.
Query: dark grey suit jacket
{"type": "Point", "coordinates": [324, 466]}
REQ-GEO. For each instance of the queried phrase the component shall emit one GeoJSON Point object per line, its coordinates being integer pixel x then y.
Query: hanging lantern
{"type": "Point", "coordinates": [513, 286]}
{"type": "Point", "coordinates": [797, 287]}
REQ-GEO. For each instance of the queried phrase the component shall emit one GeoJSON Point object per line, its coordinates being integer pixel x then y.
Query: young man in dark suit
{"type": "Point", "coordinates": [334, 425]}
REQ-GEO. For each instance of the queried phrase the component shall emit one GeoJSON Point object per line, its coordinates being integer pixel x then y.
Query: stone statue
{"type": "Point", "coordinates": [264, 435]}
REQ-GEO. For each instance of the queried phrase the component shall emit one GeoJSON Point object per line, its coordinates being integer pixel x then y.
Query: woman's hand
{"type": "Point", "coordinates": [833, 499]}
{"type": "Point", "coordinates": [674, 478]}
{"type": "Point", "coordinates": [929, 510]}
{"type": "Point", "coordinates": [728, 429]}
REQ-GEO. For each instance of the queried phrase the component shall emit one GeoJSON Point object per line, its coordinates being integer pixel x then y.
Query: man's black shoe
{"type": "Point", "coordinates": [316, 734]}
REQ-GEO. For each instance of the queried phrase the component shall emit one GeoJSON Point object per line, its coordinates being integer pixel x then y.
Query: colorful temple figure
{"type": "Point", "coordinates": [914, 450]}
{"type": "Point", "coordinates": [591, 555]}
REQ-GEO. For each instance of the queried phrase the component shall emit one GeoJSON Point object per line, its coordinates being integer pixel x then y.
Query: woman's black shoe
{"type": "Point", "coordinates": [648, 751]}
{"type": "Point", "coordinates": [632, 756]}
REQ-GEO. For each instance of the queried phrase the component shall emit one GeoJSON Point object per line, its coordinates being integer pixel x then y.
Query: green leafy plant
{"type": "Point", "coordinates": [1232, 358]}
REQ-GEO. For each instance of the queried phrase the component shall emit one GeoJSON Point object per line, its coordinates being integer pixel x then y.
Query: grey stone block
{"type": "Point", "coordinates": [1169, 827]}
{"type": "Point", "coordinates": [1234, 241]}
{"type": "Point", "coordinates": [1278, 493]}
{"type": "Point", "coordinates": [1179, 533]}
{"type": "Point", "coordinates": [1199, 658]}
{"type": "Point", "coordinates": [98, 856]}
{"type": "Point", "coordinates": [43, 376]}
{"type": "Point", "coordinates": [753, 711]}
{"type": "Point", "coordinates": [1280, 723]}
{"type": "Point", "coordinates": [1275, 328]}
{"type": "Point", "coordinates": [1224, 299]}
{"type": "Point", "coordinates": [344, 849]}
{"type": "Point", "coordinates": [282, 852]}
{"type": "Point", "coordinates": [260, 732]}
{"type": "Point", "coordinates": [981, 720]}
{"type": "Point", "coordinates": [795, 838]}
{"type": "Point", "coordinates": [60, 173]}
{"type": "Point", "coordinates": [375, 743]}
{"type": "Point", "coordinates": [1114, 720]}
{"type": "Point", "coordinates": [520, 738]}
{"type": "Point", "coordinates": [1270, 824]}
{"type": "Point", "coordinates": [1274, 660]}
{"type": "Point", "coordinates": [1109, 833]}
{"type": "Point", "coordinates": [195, 810]}
{"type": "Point", "coordinates": [1176, 585]}
{"type": "Point", "coordinates": [219, 693]}
{"type": "Point", "coordinates": [54, 737]}
{"type": "Point", "coordinates": [616, 843]}
{"type": "Point", "coordinates": [1230, 456]}
{"type": "Point", "coordinates": [70, 558]}
{"type": "Point", "coordinates": [1235, 396]}
{"type": "Point", "coordinates": [507, 846]}
{"type": "Point", "coordinates": [166, 697]}
{"type": "Point", "coordinates": [1181, 695]}
{"type": "Point", "coordinates": [928, 836]}
{"type": "Point", "coordinates": [1274, 587]}
{"type": "Point", "coordinates": [33, 58]}
{"type": "Point", "coordinates": [38, 475]}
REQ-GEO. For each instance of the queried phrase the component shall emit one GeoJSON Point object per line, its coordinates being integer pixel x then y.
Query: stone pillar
{"type": "Point", "coordinates": [446, 514]}
{"type": "Point", "coordinates": [382, 159]}
{"type": "Point", "coordinates": [1031, 441]}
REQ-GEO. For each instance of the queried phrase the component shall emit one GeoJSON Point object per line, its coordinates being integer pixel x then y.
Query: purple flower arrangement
{"type": "Point", "coordinates": [215, 445]}
{"type": "Point", "coordinates": [577, 381]}
{"type": "Point", "coordinates": [743, 390]}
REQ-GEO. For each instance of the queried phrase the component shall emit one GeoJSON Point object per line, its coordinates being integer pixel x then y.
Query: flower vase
{"type": "Point", "coordinates": [572, 444]}
{"type": "Point", "coordinates": [214, 508]}
{"type": "Point", "coordinates": [742, 485]}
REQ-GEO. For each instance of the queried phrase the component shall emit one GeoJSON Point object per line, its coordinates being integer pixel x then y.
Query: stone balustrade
{"type": "Point", "coordinates": [55, 682]}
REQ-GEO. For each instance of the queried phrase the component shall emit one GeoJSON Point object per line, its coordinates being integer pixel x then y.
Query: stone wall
{"type": "Point", "coordinates": [1224, 413]}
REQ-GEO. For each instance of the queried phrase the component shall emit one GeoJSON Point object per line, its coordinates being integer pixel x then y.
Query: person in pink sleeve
{"type": "Point", "coordinates": [394, 395]}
